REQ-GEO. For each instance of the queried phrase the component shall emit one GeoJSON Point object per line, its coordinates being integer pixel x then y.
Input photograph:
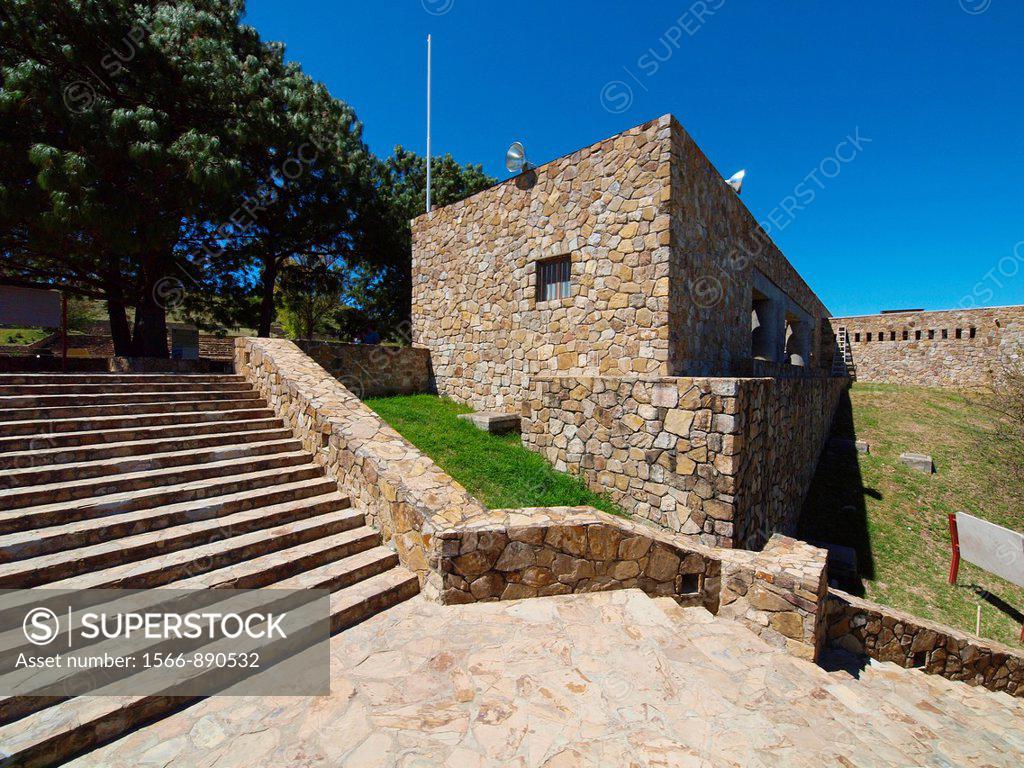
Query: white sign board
{"type": "Point", "coordinates": [29, 307]}
{"type": "Point", "coordinates": [996, 549]}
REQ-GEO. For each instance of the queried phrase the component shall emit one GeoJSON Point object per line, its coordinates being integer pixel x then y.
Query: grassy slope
{"type": "Point", "coordinates": [494, 468]}
{"type": "Point", "coordinates": [896, 517]}
{"type": "Point", "coordinates": [22, 335]}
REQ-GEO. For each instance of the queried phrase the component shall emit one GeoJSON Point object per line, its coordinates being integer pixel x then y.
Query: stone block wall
{"type": "Point", "coordinates": [954, 348]}
{"type": "Point", "coordinates": [886, 634]}
{"type": "Point", "coordinates": [475, 304]}
{"type": "Point", "coordinates": [725, 461]}
{"type": "Point", "coordinates": [664, 259]}
{"type": "Point", "coordinates": [373, 370]}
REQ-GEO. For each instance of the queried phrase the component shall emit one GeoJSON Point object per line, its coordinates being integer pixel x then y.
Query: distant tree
{"type": "Point", "coordinates": [312, 287]}
{"type": "Point", "coordinates": [384, 284]}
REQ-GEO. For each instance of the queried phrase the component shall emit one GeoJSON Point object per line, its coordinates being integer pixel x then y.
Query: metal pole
{"type": "Point", "coordinates": [428, 123]}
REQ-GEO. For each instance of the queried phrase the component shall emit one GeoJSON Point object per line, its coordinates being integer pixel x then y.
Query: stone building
{"type": "Point", "coordinates": [567, 292]}
{"type": "Point", "coordinates": [949, 348]}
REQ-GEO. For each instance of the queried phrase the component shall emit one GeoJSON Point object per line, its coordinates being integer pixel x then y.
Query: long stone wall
{"type": "Point", "coordinates": [726, 461]}
{"type": "Point", "coordinates": [954, 348]}
{"type": "Point", "coordinates": [886, 634]}
{"type": "Point", "coordinates": [373, 370]}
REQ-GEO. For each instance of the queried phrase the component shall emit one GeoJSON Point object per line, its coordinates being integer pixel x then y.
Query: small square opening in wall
{"type": "Point", "coordinates": [959, 333]}
{"type": "Point", "coordinates": [917, 335]}
{"type": "Point", "coordinates": [892, 335]}
{"type": "Point", "coordinates": [931, 334]}
{"type": "Point", "coordinates": [856, 337]}
{"type": "Point", "coordinates": [945, 333]}
{"type": "Point", "coordinates": [974, 332]}
{"type": "Point", "coordinates": [689, 583]}
{"type": "Point", "coordinates": [906, 335]}
{"type": "Point", "coordinates": [869, 335]}
{"type": "Point", "coordinates": [554, 278]}
{"type": "Point", "coordinates": [919, 659]}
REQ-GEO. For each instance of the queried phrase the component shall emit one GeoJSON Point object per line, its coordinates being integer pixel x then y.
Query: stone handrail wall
{"type": "Point", "coordinates": [726, 461]}
{"type": "Point", "coordinates": [373, 370]}
{"type": "Point", "coordinates": [886, 634]}
{"type": "Point", "coordinates": [511, 554]}
{"type": "Point", "coordinates": [403, 493]}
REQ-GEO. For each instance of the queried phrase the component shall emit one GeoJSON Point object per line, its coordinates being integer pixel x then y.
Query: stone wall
{"type": "Point", "coordinates": [522, 553]}
{"type": "Point", "coordinates": [474, 301]}
{"type": "Point", "coordinates": [886, 634]}
{"type": "Point", "coordinates": [664, 259]}
{"type": "Point", "coordinates": [373, 370]}
{"type": "Point", "coordinates": [954, 348]}
{"type": "Point", "coordinates": [403, 493]}
{"type": "Point", "coordinates": [463, 552]}
{"type": "Point", "coordinates": [726, 461]}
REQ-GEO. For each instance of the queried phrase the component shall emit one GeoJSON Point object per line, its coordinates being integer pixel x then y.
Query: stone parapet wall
{"type": "Point", "coordinates": [886, 634]}
{"type": "Point", "coordinates": [373, 370]}
{"type": "Point", "coordinates": [726, 461]}
{"type": "Point", "coordinates": [954, 348]}
{"type": "Point", "coordinates": [402, 492]}
{"type": "Point", "coordinates": [521, 553]}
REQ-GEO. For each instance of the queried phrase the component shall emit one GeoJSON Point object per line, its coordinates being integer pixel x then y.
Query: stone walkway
{"type": "Point", "coordinates": [608, 679]}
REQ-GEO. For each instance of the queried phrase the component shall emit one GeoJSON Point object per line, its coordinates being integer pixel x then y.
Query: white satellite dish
{"type": "Point", "coordinates": [736, 180]}
{"type": "Point", "coordinates": [515, 158]}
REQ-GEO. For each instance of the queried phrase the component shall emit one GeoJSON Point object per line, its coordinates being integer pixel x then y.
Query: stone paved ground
{"type": "Point", "coordinates": [608, 679]}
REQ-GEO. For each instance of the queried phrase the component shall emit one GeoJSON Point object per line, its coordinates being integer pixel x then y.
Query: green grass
{"type": "Point", "coordinates": [896, 517]}
{"type": "Point", "coordinates": [496, 469]}
{"type": "Point", "coordinates": [22, 335]}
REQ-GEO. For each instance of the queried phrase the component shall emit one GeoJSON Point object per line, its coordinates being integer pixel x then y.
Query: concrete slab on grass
{"type": "Point", "coordinates": [922, 462]}
{"type": "Point", "coordinates": [495, 422]}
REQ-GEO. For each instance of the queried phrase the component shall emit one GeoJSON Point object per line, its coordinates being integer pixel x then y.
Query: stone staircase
{"type": "Point", "coordinates": [876, 708]}
{"type": "Point", "coordinates": [174, 481]}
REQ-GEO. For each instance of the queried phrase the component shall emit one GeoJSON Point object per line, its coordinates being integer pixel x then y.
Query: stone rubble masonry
{"type": "Point", "coordinates": [724, 461]}
{"type": "Point", "coordinates": [373, 370]}
{"type": "Point", "coordinates": [886, 634]}
{"type": "Point", "coordinates": [520, 553]}
{"type": "Point", "coordinates": [463, 552]}
{"type": "Point", "coordinates": [663, 255]}
{"type": "Point", "coordinates": [934, 361]}
{"type": "Point", "coordinates": [402, 492]}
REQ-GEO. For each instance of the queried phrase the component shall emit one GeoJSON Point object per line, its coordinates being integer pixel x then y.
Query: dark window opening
{"type": "Point", "coordinates": [856, 337]}
{"type": "Point", "coordinates": [690, 584]}
{"type": "Point", "coordinates": [869, 335]}
{"type": "Point", "coordinates": [945, 334]}
{"type": "Point", "coordinates": [553, 279]}
{"type": "Point", "coordinates": [892, 335]}
{"type": "Point", "coordinates": [917, 335]}
{"type": "Point", "coordinates": [931, 334]}
{"type": "Point", "coordinates": [974, 332]}
{"type": "Point", "coordinates": [959, 333]}
{"type": "Point", "coordinates": [906, 335]}
{"type": "Point", "coordinates": [762, 344]}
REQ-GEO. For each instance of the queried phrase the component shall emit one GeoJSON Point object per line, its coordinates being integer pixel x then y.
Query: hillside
{"type": "Point", "coordinates": [896, 518]}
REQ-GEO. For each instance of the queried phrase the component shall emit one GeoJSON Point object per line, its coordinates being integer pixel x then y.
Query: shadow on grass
{"type": "Point", "coordinates": [998, 603]}
{"type": "Point", "coordinates": [835, 511]}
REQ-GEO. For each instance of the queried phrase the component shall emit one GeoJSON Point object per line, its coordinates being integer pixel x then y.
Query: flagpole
{"type": "Point", "coordinates": [428, 123]}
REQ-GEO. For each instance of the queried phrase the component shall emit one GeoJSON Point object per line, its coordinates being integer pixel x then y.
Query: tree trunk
{"type": "Point", "coordinates": [120, 331]}
{"type": "Point", "coordinates": [150, 336]}
{"type": "Point", "coordinates": [268, 279]}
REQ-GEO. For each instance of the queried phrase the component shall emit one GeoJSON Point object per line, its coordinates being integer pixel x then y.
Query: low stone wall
{"type": "Point", "coordinates": [726, 461]}
{"type": "Point", "coordinates": [890, 635]}
{"type": "Point", "coordinates": [403, 493]}
{"type": "Point", "coordinates": [374, 370]}
{"type": "Point", "coordinates": [953, 348]}
{"type": "Point", "coordinates": [886, 634]}
{"type": "Point", "coordinates": [511, 554]}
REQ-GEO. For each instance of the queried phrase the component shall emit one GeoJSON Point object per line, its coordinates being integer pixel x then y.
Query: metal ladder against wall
{"type": "Point", "coordinates": [842, 359]}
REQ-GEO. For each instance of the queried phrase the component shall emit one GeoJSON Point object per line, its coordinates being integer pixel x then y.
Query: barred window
{"type": "Point", "coordinates": [553, 278]}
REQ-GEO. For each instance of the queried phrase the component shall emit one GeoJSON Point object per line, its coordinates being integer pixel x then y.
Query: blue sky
{"type": "Point", "coordinates": [922, 207]}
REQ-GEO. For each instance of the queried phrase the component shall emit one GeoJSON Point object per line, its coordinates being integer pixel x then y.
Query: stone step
{"type": "Point", "coordinates": [163, 569]}
{"type": "Point", "coordinates": [47, 474]}
{"type": "Point", "coordinates": [32, 390]}
{"type": "Point", "coordinates": [65, 564]}
{"type": "Point", "coordinates": [333, 576]}
{"type": "Point", "coordinates": [50, 413]}
{"type": "Point", "coordinates": [34, 542]}
{"type": "Point", "coordinates": [46, 441]}
{"type": "Point", "coordinates": [107, 451]}
{"type": "Point", "coordinates": [340, 551]}
{"type": "Point", "coordinates": [57, 733]}
{"type": "Point", "coordinates": [53, 493]}
{"type": "Point", "coordinates": [134, 421]}
{"type": "Point", "coordinates": [195, 491]}
{"type": "Point", "coordinates": [83, 399]}
{"type": "Point", "coordinates": [20, 379]}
